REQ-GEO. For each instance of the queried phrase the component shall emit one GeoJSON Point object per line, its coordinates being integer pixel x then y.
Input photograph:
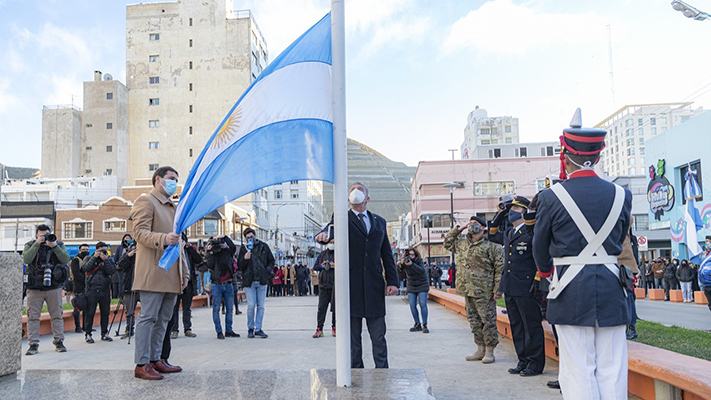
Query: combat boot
{"type": "Point", "coordinates": [478, 354]}
{"type": "Point", "coordinates": [489, 356]}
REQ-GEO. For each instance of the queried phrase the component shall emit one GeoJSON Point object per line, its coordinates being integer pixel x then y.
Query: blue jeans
{"type": "Point", "coordinates": [256, 295]}
{"type": "Point", "coordinates": [222, 293]}
{"type": "Point", "coordinates": [438, 283]}
{"type": "Point", "coordinates": [415, 298]}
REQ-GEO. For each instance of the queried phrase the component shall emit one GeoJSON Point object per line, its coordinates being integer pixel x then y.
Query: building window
{"type": "Point", "coordinates": [630, 152]}
{"type": "Point", "coordinates": [641, 151]}
{"type": "Point", "coordinates": [190, 130]}
{"type": "Point", "coordinates": [685, 118]}
{"type": "Point", "coordinates": [628, 122]}
{"type": "Point", "coordinates": [78, 229]}
{"type": "Point", "coordinates": [87, 171]}
{"type": "Point", "coordinates": [294, 182]}
{"type": "Point", "coordinates": [153, 80]}
{"type": "Point", "coordinates": [652, 121]}
{"type": "Point", "coordinates": [109, 149]}
{"type": "Point", "coordinates": [485, 142]}
{"type": "Point", "coordinates": [210, 227]}
{"type": "Point", "coordinates": [640, 122]}
{"type": "Point", "coordinates": [484, 131]}
{"type": "Point", "coordinates": [154, 58]}
{"type": "Point", "coordinates": [695, 166]}
{"type": "Point", "coordinates": [277, 194]}
{"type": "Point", "coordinates": [190, 21]}
{"type": "Point", "coordinates": [493, 188]}
{"type": "Point", "coordinates": [294, 193]}
{"type": "Point", "coordinates": [115, 225]}
{"type": "Point", "coordinates": [640, 131]}
{"type": "Point", "coordinates": [654, 131]}
{"type": "Point", "coordinates": [153, 102]}
{"type": "Point", "coordinates": [108, 172]}
{"type": "Point", "coordinates": [632, 161]}
{"type": "Point", "coordinates": [153, 123]}
{"type": "Point", "coordinates": [154, 36]}
{"type": "Point", "coordinates": [190, 65]}
{"type": "Point", "coordinates": [109, 125]}
{"type": "Point", "coordinates": [641, 222]}
{"type": "Point", "coordinates": [191, 152]}
{"type": "Point", "coordinates": [191, 43]}
{"type": "Point", "coordinates": [549, 151]}
{"type": "Point", "coordinates": [662, 120]}
{"type": "Point", "coordinates": [152, 167]}
{"type": "Point", "coordinates": [191, 108]}
{"type": "Point", "coordinates": [89, 125]}
{"type": "Point", "coordinates": [191, 87]}
{"type": "Point", "coordinates": [109, 96]}
{"type": "Point", "coordinates": [88, 147]}
{"type": "Point", "coordinates": [507, 129]}
{"type": "Point", "coordinates": [508, 140]}
{"type": "Point", "coordinates": [521, 152]}
{"type": "Point", "coordinates": [152, 145]}
{"type": "Point", "coordinates": [494, 153]}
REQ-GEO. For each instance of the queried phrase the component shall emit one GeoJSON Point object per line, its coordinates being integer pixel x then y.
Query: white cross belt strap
{"type": "Point", "coordinates": [594, 253]}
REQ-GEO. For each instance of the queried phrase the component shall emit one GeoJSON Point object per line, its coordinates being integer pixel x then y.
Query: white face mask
{"type": "Point", "coordinates": [330, 246]}
{"type": "Point", "coordinates": [356, 197]}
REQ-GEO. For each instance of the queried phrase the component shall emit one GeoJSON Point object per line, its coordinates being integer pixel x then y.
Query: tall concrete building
{"type": "Point", "coordinates": [92, 142]}
{"type": "Point", "coordinates": [630, 126]}
{"type": "Point", "coordinates": [482, 131]}
{"type": "Point", "coordinates": [187, 62]}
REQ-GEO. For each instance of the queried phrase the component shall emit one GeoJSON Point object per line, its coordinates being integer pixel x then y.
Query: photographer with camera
{"type": "Point", "coordinates": [324, 266]}
{"type": "Point", "coordinates": [98, 270]}
{"type": "Point", "coordinates": [46, 260]}
{"type": "Point", "coordinates": [256, 262]}
{"type": "Point", "coordinates": [220, 250]}
{"type": "Point", "coordinates": [126, 266]}
{"type": "Point", "coordinates": [417, 287]}
{"type": "Point", "coordinates": [78, 284]}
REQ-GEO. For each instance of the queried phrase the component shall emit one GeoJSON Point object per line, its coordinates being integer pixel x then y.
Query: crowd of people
{"type": "Point", "coordinates": [671, 274]}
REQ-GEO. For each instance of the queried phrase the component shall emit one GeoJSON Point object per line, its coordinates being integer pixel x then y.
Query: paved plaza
{"type": "Point", "coordinates": [285, 365]}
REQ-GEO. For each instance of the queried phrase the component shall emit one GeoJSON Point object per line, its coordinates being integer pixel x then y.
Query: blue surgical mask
{"type": "Point", "coordinates": [170, 186]}
{"type": "Point", "coordinates": [514, 216]}
{"type": "Point", "coordinates": [129, 241]}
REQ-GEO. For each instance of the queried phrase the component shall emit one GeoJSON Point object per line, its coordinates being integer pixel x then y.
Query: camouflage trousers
{"type": "Point", "coordinates": [481, 313]}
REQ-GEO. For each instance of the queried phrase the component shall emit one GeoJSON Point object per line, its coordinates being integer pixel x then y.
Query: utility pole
{"type": "Point", "coordinates": [453, 151]}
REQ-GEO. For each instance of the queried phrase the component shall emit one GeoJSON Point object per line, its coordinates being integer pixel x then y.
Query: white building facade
{"type": "Point", "coordinates": [481, 130]}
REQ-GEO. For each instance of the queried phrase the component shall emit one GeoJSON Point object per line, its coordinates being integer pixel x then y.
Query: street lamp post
{"type": "Point", "coordinates": [428, 223]}
{"type": "Point", "coordinates": [451, 187]}
{"type": "Point", "coordinates": [689, 11]}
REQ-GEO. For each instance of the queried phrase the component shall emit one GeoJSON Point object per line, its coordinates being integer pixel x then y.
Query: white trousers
{"type": "Point", "coordinates": [593, 362]}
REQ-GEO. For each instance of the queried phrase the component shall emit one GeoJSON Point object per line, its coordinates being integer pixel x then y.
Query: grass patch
{"type": "Point", "coordinates": [673, 338]}
{"type": "Point", "coordinates": [65, 307]}
{"type": "Point", "coordinates": [501, 303]}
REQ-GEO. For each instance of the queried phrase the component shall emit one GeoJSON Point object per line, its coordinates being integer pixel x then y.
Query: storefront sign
{"type": "Point", "coordinates": [660, 193]}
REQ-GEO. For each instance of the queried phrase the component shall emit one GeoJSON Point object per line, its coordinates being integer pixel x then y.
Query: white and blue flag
{"type": "Point", "coordinates": [694, 223]}
{"type": "Point", "coordinates": [280, 130]}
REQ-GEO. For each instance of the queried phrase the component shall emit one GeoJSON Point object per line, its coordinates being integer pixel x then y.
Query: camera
{"type": "Point", "coordinates": [505, 200]}
{"type": "Point", "coordinates": [50, 237]}
{"type": "Point", "coordinates": [407, 259]}
{"type": "Point", "coordinates": [215, 245]}
{"type": "Point", "coordinates": [47, 281]}
{"type": "Point", "coordinates": [106, 252]}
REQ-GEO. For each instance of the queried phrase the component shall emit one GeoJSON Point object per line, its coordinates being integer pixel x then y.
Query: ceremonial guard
{"type": "Point", "coordinates": [517, 285]}
{"type": "Point", "coordinates": [580, 228]}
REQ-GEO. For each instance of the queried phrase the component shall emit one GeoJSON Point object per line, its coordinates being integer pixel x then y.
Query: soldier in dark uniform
{"type": "Point", "coordinates": [580, 228]}
{"type": "Point", "coordinates": [517, 284]}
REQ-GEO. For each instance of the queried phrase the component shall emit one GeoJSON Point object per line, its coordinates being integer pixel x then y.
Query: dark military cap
{"type": "Point", "coordinates": [478, 219]}
{"type": "Point", "coordinates": [519, 201]}
{"type": "Point", "coordinates": [582, 141]}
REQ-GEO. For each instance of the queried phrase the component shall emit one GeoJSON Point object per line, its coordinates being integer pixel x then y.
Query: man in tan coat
{"type": "Point", "coordinates": [152, 217]}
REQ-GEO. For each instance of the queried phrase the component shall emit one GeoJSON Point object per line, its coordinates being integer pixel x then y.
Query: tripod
{"type": "Point", "coordinates": [122, 306]}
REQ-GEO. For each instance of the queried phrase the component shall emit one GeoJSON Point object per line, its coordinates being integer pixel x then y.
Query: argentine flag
{"type": "Point", "coordinates": [692, 191]}
{"type": "Point", "coordinates": [280, 130]}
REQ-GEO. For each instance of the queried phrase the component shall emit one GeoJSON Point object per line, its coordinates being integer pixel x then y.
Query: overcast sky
{"type": "Point", "coordinates": [415, 68]}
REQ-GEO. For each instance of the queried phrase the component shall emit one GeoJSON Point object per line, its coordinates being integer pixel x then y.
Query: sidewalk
{"type": "Point", "coordinates": [691, 316]}
{"type": "Point", "coordinates": [290, 322]}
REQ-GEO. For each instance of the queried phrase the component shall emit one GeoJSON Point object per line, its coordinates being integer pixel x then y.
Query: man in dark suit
{"type": "Point", "coordinates": [517, 280]}
{"type": "Point", "coordinates": [580, 228]}
{"type": "Point", "coordinates": [369, 255]}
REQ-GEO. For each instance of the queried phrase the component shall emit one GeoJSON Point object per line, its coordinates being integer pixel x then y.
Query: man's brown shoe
{"type": "Point", "coordinates": [147, 372]}
{"type": "Point", "coordinates": [164, 367]}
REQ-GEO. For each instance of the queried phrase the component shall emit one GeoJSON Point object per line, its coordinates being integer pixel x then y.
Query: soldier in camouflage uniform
{"type": "Point", "coordinates": [479, 263]}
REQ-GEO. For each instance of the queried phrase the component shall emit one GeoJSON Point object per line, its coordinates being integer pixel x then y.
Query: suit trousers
{"type": "Point", "coordinates": [376, 329]}
{"type": "Point", "coordinates": [527, 331]}
{"type": "Point", "coordinates": [593, 362]}
{"type": "Point", "coordinates": [156, 312]}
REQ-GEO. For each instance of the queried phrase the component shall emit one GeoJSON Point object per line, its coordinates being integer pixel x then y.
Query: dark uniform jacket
{"type": "Point", "coordinates": [77, 275]}
{"type": "Point", "coordinates": [370, 255]}
{"type": "Point", "coordinates": [595, 295]}
{"type": "Point", "coordinates": [519, 271]}
{"type": "Point", "coordinates": [126, 265]}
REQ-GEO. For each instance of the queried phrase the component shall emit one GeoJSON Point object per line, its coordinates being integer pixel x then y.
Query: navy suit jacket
{"type": "Point", "coordinates": [370, 257]}
{"type": "Point", "coordinates": [595, 295]}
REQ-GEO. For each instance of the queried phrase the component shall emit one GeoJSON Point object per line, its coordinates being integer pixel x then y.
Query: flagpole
{"type": "Point", "coordinates": [340, 195]}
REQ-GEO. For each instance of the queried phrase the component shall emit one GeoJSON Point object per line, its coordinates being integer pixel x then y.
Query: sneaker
{"type": "Point", "coordinates": [174, 335]}
{"type": "Point", "coordinates": [190, 333]}
{"type": "Point", "coordinates": [220, 335]}
{"type": "Point", "coordinates": [260, 334]}
{"type": "Point", "coordinates": [250, 333]}
{"type": "Point", "coordinates": [88, 338]}
{"type": "Point", "coordinates": [416, 328]}
{"type": "Point", "coordinates": [334, 331]}
{"type": "Point", "coordinates": [424, 329]}
{"type": "Point", "coordinates": [318, 334]}
{"type": "Point", "coordinates": [34, 349]}
{"type": "Point", "coordinates": [231, 334]}
{"type": "Point", "coordinates": [106, 338]}
{"type": "Point", "coordinates": [59, 347]}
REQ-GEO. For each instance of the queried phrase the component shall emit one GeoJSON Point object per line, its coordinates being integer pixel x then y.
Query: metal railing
{"type": "Point", "coordinates": [61, 106]}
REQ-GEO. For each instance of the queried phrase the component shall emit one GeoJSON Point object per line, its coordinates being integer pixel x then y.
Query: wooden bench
{"type": "Point", "coordinates": [651, 369]}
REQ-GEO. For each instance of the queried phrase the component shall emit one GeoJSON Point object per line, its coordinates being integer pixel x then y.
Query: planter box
{"type": "Point", "coordinates": [656, 294]}
{"type": "Point", "coordinates": [639, 293]}
{"type": "Point", "coordinates": [675, 296]}
{"type": "Point", "coordinates": [700, 297]}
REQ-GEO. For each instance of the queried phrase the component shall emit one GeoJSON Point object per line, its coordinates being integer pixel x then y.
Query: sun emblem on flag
{"type": "Point", "coordinates": [228, 130]}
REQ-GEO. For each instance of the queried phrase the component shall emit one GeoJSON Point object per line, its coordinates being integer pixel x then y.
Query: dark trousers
{"type": "Point", "coordinates": [186, 298]}
{"type": "Point", "coordinates": [103, 299]}
{"type": "Point", "coordinates": [707, 292]}
{"type": "Point", "coordinates": [668, 285]}
{"type": "Point", "coordinates": [376, 329]}
{"type": "Point", "coordinates": [77, 319]}
{"type": "Point", "coordinates": [302, 287]}
{"type": "Point", "coordinates": [527, 331]}
{"type": "Point", "coordinates": [315, 290]}
{"type": "Point", "coordinates": [165, 351]}
{"type": "Point", "coordinates": [325, 297]}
